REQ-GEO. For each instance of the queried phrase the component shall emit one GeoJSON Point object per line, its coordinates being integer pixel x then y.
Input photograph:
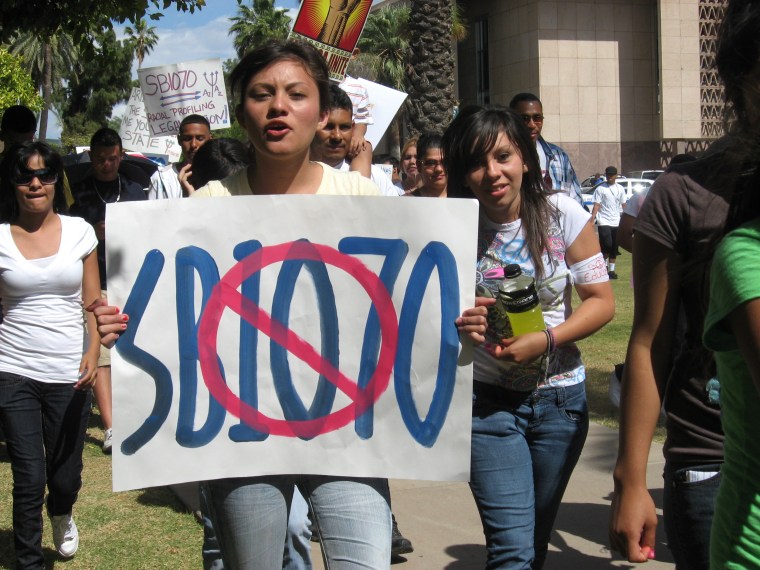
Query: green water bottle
{"type": "Point", "coordinates": [518, 296]}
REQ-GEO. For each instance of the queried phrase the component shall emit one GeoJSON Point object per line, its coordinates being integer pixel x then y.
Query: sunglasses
{"type": "Point", "coordinates": [45, 175]}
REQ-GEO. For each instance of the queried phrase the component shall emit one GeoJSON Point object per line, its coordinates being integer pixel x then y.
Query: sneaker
{"type": "Point", "coordinates": [107, 443]}
{"type": "Point", "coordinates": [612, 275]}
{"type": "Point", "coordinates": [399, 543]}
{"type": "Point", "coordinates": [65, 535]}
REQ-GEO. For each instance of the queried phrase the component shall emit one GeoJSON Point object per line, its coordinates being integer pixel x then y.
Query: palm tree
{"type": "Point", "coordinates": [431, 65]}
{"type": "Point", "coordinates": [257, 24]}
{"type": "Point", "coordinates": [47, 59]}
{"type": "Point", "coordinates": [142, 38]}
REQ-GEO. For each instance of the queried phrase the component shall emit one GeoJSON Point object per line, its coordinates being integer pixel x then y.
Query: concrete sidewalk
{"type": "Point", "coordinates": [443, 524]}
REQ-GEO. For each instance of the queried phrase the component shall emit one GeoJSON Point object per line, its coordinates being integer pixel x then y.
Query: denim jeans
{"type": "Point", "coordinates": [250, 516]}
{"type": "Point", "coordinates": [524, 449]}
{"type": "Point", "coordinates": [297, 554]}
{"type": "Point", "coordinates": [688, 508]}
{"type": "Point", "coordinates": [44, 424]}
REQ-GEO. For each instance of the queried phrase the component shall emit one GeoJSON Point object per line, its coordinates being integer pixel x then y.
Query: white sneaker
{"type": "Point", "coordinates": [107, 444]}
{"type": "Point", "coordinates": [65, 535]}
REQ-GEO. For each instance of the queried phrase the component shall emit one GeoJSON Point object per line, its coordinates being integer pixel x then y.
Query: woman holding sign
{"type": "Point", "coordinates": [48, 264]}
{"type": "Point", "coordinates": [283, 97]}
{"type": "Point", "coordinates": [529, 404]}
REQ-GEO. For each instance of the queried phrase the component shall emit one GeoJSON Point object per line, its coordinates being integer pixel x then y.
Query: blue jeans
{"type": "Point", "coordinates": [297, 554]}
{"type": "Point", "coordinates": [44, 426]}
{"type": "Point", "coordinates": [524, 449]}
{"type": "Point", "coordinates": [250, 516]}
{"type": "Point", "coordinates": [688, 508]}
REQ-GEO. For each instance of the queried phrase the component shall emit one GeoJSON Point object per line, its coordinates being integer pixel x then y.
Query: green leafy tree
{"type": "Point", "coordinates": [256, 24]}
{"type": "Point", "coordinates": [16, 85]}
{"type": "Point", "coordinates": [81, 18]}
{"type": "Point", "coordinates": [47, 58]}
{"type": "Point", "coordinates": [87, 100]}
{"type": "Point", "coordinates": [142, 38]}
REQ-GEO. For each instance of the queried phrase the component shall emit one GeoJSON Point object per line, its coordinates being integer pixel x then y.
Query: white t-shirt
{"type": "Point", "coordinates": [502, 244]}
{"type": "Point", "coordinates": [378, 176]}
{"type": "Point", "coordinates": [165, 183]}
{"type": "Point", "coordinates": [42, 333]}
{"type": "Point", "coordinates": [610, 200]}
{"type": "Point", "coordinates": [333, 182]}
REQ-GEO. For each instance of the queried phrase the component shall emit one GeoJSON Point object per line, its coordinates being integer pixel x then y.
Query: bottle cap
{"type": "Point", "coordinates": [512, 270]}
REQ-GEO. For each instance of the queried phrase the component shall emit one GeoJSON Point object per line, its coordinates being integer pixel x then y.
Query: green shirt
{"type": "Point", "coordinates": [735, 280]}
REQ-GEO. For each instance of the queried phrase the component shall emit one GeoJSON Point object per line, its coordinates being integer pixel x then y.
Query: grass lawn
{"type": "Point", "coordinates": [150, 529]}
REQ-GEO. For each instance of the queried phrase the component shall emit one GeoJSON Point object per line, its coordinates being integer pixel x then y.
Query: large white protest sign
{"type": "Point", "coordinates": [291, 334]}
{"type": "Point", "coordinates": [172, 92]}
{"type": "Point", "coordinates": [135, 134]}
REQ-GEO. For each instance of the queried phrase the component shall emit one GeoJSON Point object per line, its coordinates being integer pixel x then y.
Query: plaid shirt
{"type": "Point", "coordinates": [561, 171]}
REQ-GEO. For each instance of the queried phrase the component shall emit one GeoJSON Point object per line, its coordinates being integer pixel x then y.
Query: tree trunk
{"type": "Point", "coordinates": [47, 89]}
{"type": "Point", "coordinates": [431, 65]}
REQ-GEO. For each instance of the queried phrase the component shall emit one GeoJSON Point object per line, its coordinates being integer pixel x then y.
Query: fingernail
{"type": "Point", "coordinates": [651, 554]}
{"type": "Point", "coordinates": [123, 327]}
{"type": "Point", "coordinates": [125, 318]}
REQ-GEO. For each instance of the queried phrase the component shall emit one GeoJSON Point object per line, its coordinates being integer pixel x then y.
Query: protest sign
{"type": "Point", "coordinates": [291, 334]}
{"type": "Point", "coordinates": [135, 134]}
{"type": "Point", "coordinates": [333, 28]}
{"type": "Point", "coordinates": [172, 92]}
{"type": "Point", "coordinates": [384, 104]}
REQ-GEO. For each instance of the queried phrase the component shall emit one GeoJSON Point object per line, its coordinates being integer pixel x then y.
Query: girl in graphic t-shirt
{"type": "Point", "coordinates": [48, 264]}
{"type": "Point", "coordinates": [529, 405]}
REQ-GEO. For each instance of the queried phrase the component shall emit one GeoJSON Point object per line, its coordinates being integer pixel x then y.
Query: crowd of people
{"type": "Point", "coordinates": [693, 349]}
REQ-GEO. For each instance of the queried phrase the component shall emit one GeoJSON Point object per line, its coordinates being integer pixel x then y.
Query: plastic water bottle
{"type": "Point", "coordinates": [498, 322]}
{"type": "Point", "coordinates": [518, 296]}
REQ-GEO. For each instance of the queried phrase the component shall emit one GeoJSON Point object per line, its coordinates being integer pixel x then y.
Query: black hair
{"type": "Point", "coordinates": [737, 58]}
{"type": "Point", "coordinates": [426, 142]}
{"type": "Point", "coordinates": [14, 164]}
{"type": "Point", "coordinates": [467, 141]}
{"type": "Point", "coordinates": [105, 138]}
{"type": "Point", "coordinates": [218, 159]}
{"type": "Point", "coordinates": [194, 120]}
{"type": "Point", "coordinates": [339, 99]}
{"type": "Point", "coordinates": [387, 159]}
{"type": "Point", "coordinates": [272, 52]}
{"type": "Point", "coordinates": [19, 119]}
{"type": "Point", "coordinates": [523, 98]}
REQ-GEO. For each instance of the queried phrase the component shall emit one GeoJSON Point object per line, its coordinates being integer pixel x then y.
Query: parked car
{"type": "Point", "coordinates": [645, 174]}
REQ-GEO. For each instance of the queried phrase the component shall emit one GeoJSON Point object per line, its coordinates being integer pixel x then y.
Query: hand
{"type": "Point", "coordinates": [522, 349]}
{"type": "Point", "coordinates": [473, 321]}
{"type": "Point", "coordinates": [184, 179]}
{"type": "Point", "coordinates": [633, 522]}
{"type": "Point", "coordinates": [111, 321]}
{"type": "Point", "coordinates": [88, 370]}
{"type": "Point", "coordinates": [357, 145]}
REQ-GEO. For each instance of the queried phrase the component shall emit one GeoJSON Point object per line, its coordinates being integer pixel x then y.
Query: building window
{"type": "Point", "coordinates": [482, 77]}
{"type": "Point", "coordinates": [711, 91]}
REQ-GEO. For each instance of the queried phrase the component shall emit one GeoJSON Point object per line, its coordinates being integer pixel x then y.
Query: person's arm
{"type": "Point", "coordinates": [596, 309]}
{"type": "Point", "coordinates": [594, 210]}
{"type": "Point", "coordinates": [88, 367]}
{"type": "Point", "coordinates": [359, 142]}
{"type": "Point", "coordinates": [362, 162]}
{"type": "Point", "coordinates": [625, 232]}
{"type": "Point", "coordinates": [656, 271]}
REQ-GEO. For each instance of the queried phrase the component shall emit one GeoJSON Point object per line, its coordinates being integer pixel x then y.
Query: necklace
{"type": "Point", "coordinates": [118, 192]}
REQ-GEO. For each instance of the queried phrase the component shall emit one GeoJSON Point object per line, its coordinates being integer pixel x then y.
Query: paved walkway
{"type": "Point", "coordinates": [442, 522]}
